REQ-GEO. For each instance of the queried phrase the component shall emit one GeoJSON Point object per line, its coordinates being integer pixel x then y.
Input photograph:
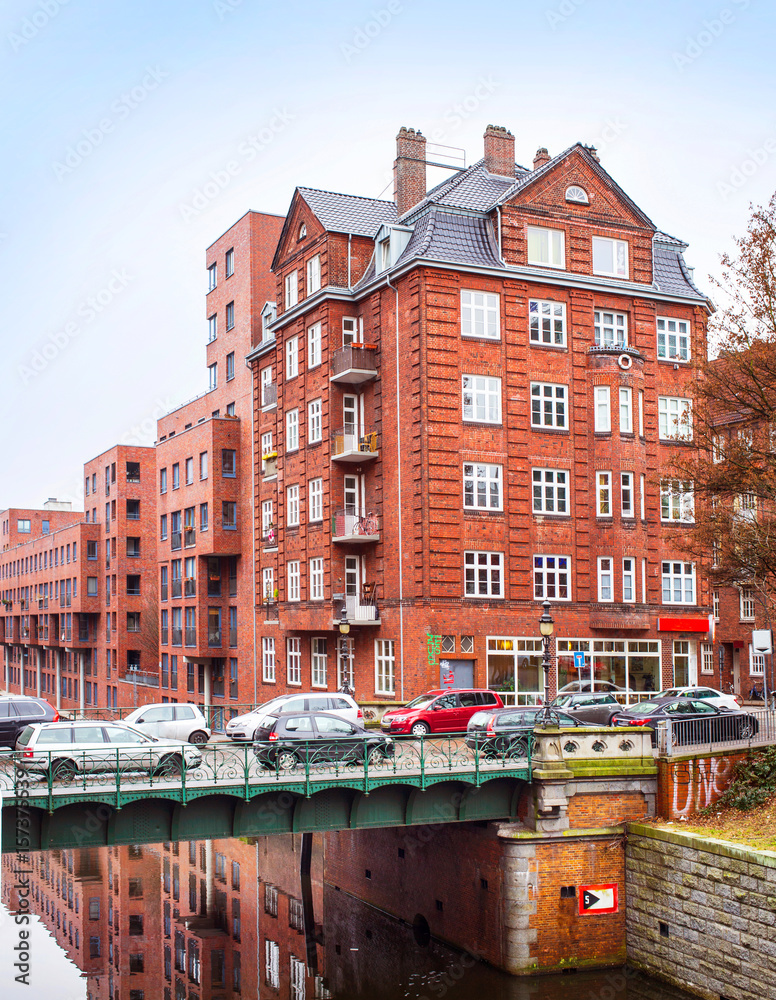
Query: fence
{"type": "Point", "coordinates": [756, 727]}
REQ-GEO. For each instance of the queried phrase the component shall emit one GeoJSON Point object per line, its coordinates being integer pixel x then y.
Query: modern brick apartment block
{"type": "Point", "coordinates": [204, 489]}
{"type": "Point", "coordinates": [462, 409]}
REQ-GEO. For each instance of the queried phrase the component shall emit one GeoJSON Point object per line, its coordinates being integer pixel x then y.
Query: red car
{"type": "Point", "coordinates": [440, 711]}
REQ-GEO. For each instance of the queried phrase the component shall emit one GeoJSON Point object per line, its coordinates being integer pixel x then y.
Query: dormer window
{"type": "Point", "coordinates": [385, 254]}
{"type": "Point", "coordinates": [390, 243]}
{"type": "Point", "coordinates": [302, 232]}
{"type": "Point", "coordinates": [577, 195]}
{"type": "Point", "coordinates": [268, 316]}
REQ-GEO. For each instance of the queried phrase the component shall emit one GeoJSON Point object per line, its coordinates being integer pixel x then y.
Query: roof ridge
{"type": "Point", "coordinates": [342, 194]}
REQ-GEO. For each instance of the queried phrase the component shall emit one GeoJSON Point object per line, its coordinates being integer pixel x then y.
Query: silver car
{"type": "Point", "coordinates": [65, 749]}
{"type": "Point", "coordinates": [178, 722]}
{"type": "Point", "coordinates": [243, 727]}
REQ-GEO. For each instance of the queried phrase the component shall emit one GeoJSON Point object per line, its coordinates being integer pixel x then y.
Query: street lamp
{"type": "Point", "coordinates": [546, 627]}
{"type": "Point", "coordinates": [344, 627]}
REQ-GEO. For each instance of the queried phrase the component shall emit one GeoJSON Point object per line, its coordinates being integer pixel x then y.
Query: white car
{"type": "Point", "coordinates": [714, 697]}
{"type": "Point", "coordinates": [243, 727]}
{"type": "Point", "coordinates": [177, 722]}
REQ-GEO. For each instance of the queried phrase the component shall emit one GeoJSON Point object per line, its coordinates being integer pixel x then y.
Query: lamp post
{"type": "Point", "coordinates": [546, 627]}
{"type": "Point", "coordinates": [344, 627]}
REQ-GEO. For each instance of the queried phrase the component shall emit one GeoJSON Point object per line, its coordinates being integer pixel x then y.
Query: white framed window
{"type": "Point", "coordinates": [313, 274]}
{"type": "Point", "coordinates": [677, 501]}
{"type": "Point", "coordinates": [294, 661]}
{"type": "Point", "coordinates": [552, 578]}
{"type": "Point", "coordinates": [316, 579]}
{"type": "Point", "coordinates": [267, 516]}
{"type": "Point", "coordinates": [293, 580]}
{"type": "Point", "coordinates": [229, 263]}
{"type": "Point", "coordinates": [546, 246]}
{"type": "Point", "coordinates": [717, 448]}
{"type": "Point", "coordinates": [212, 274]}
{"type": "Point", "coordinates": [483, 574]}
{"type": "Point", "coordinates": [550, 491]}
{"type": "Point", "coordinates": [629, 579]}
{"type": "Point", "coordinates": [316, 500]}
{"type": "Point", "coordinates": [549, 405]}
{"type": "Point", "coordinates": [314, 345]}
{"type": "Point", "coordinates": [268, 659]}
{"type": "Point", "coordinates": [756, 662]}
{"type": "Point", "coordinates": [266, 446]}
{"type": "Point", "coordinates": [707, 658]}
{"type": "Point", "coordinates": [626, 410]}
{"type": "Point", "coordinates": [577, 195]}
{"type": "Point", "coordinates": [385, 666]}
{"type": "Point", "coordinates": [673, 339]}
{"type": "Point", "coordinates": [745, 506]}
{"type": "Point", "coordinates": [212, 376]}
{"type": "Point", "coordinates": [292, 357]}
{"type": "Point", "coordinates": [641, 413]}
{"type": "Point", "coordinates": [746, 600]}
{"type": "Point", "coordinates": [602, 407]}
{"type": "Point", "coordinates": [292, 430]}
{"type": "Point", "coordinates": [212, 328]}
{"type": "Point", "coordinates": [479, 315]}
{"type": "Point", "coordinates": [626, 494]}
{"type": "Point", "coordinates": [674, 414]}
{"type": "Point", "coordinates": [678, 582]}
{"type": "Point", "coordinates": [611, 329]}
{"type": "Point", "coordinates": [481, 399]}
{"type": "Point", "coordinates": [605, 581]}
{"type": "Point", "coordinates": [319, 660]}
{"type": "Point", "coordinates": [603, 491]}
{"type": "Point", "coordinates": [292, 506]}
{"type": "Point", "coordinates": [292, 289]}
{"type": "Point", "coordinates": [268, 393]}
{"type": "Point", "coordinates": [268, 583]}
{"type": "Point", "coordinates": [642, 497]}
{"type": "Point", "coordinates": [610, 257]}
{"type": "Point", "coordinates": [314, 421]}
{"type": "Point", "coordinates": [547, 322]}
{"type": "Point", "coordinates": [352, 330]}
{"type": "Point", "coordinates": [482, 488]}
{"type": "Point", "coordinates": [715, 604]}
{"type": "Point", "coordinates": [272, 963]}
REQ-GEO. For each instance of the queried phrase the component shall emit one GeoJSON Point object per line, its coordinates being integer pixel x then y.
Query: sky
{"type": "Point", "coordinates": [135, 133]}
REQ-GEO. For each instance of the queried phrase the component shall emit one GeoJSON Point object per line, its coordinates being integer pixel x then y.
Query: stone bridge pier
{"type": "Point", "coordinates": [541, 892]}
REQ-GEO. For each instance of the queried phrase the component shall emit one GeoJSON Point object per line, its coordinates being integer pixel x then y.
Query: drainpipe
{"type": "Point", "coordinates": [253, 531]}
{"type": "Point", "coordinates": [398, 449]}
{"type": "Point", "coordinates": [350, 240]}
{"type": "Point", "coordinates": [498, 212]}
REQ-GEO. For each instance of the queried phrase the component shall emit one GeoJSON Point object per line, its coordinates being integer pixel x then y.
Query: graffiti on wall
{"type": "Point", "coordinates": [698, 783]}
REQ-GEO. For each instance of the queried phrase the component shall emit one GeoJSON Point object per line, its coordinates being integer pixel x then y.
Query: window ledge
{"type": "Point", "coordinates": [550, 430]}
{"type": "Point", "coordinates": [549, 347]}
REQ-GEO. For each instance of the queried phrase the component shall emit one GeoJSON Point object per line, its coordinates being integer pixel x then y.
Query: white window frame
{"type": "Point", "coordinates": [292, 357]}
{"type": "Point", "coordinates": [293, 580]}
{"type": "Point", "coordinates": [618, 249]}
{"type": "Point", "coordinates": [602, 408]}
{"type": "Point", "coordinates": [550, 578]}
{"type": "Point", "coordinates": [294, 661]}
{"type": "Point", "coordinates": [268, 659]}
{"type": "Point", "coordinates": [626, 410]}
{"type": "Point", "coordinates": [314, 345]}
{"type": "Point", "coordinates": [627, 498]}
{"type": "Point", "coordinates": [483, 573]}
{"type": "Point", "coordinates": [674, 418]}
{"type": "Point", "coordinates": [267, 516]}
{"type": "Point", "coordinates": [292, 289]}
{"type": "Point", "coordinates": [480, 315]}
{"type": "Point", "coordinates": [316, 579]}
{"type": "Point", "coordinates": [292, 430]}
{"type": "Point", "coordinates": [547, 322]}
{"type": "Point", "coordinates": [603, 494]}
{"type": "Point", "coordinates": [673, 335]}
{"type": "Point", "coordinates": [315, 512]}
{"type": "Point", "coordinates": [212, 328]}
{"type": "Point", "coordinates": [677, 571]}
{"type": "Point", "coordinates": [715, 604]}
{"type": "Point", "coordinates": [385, 666]}
{"type": "Point", "coordinates": [677, 502]}
{"type": "Point", "coordinates": [212, 371]}
{"type": "Point", "coordinates": [629, 580]}
{"type": "Point", "coordinates": [481, 476]}
{"type": "Point", "coordinates": [212, 277]}
{"type": "Point", "coordinates": [605, 579]}
{"type": "Point", "coordinates": [319, 660]}
{"type": "Point", "coordinates": [756, 663]}
{"type": "Point", "coordinates": [352, 330]}
{"type": "Point", "coordinates": [549, 485]}
{"type": "Point", "coordinates": [706, 658]}
{"type": "Point", "coordinates": [292, 506]}
{"type": "Point", "coordinates": [746, 604]}
{"type": "Point", "coordinates": [314, 274]}
{"type": "Point", "coordinates": [610, 328]}
{"type": "Point", "coordinates": [546, 247]}
{"type": "Point", "coordinates": [544, 393]}
{"type": "Point", "coordinates": [484, 399]}
{"type": "Point", "coordinates": [314, 421]}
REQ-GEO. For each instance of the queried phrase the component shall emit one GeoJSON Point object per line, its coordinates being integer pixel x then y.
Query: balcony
{"type": "Point", "coordinates": [354, 364]}
{"type": "Point", "coordinates": [361, 610]}
{"type": "Point", "coordinates": [353, 528]}
{"type": "Point", "coordinates": [269, 395]}
{"type": "Point", "coordinates": [348, 446]}
{"type": "Point", "coordinates": [177, 588]}
{"type": "Point", "coordinates": [175, 540]}
{"type": "Point", "coordinates": [270, 466]}
{"type": "Point", "coordinates": [189, 537]}
{"type": "Point", "coordinates": [214, 638]}
{"type": "Point", "coordinates": [191, 637]}
{"type": "Point", "coordinates": [24, 605]}
{"type": "Point", "coordinates": [189, 587]}
{"type": "Point", "coordinates": [65, 635]}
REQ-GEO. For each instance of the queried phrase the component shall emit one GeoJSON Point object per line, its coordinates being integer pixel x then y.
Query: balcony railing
{"type": "Point", "coordinates": [24, 605]}
{"type": "Point", "coordinates": [165, 636]}
{"type": "Point", "coordinates": [214, 637]}
{"type": "Point", "coordinates": [269, 394]}
{"type": "Point", "coordinates": [177, 588]}
{"type": "Point", "coordinates": [270, 467]}
{"type": "Point", "coordinates": [189, 587]}
{"type": "Point", "coordinates": [190, 537]}
{"type": "Point", "coordinates": [65, 600]}
{"type": "Point", "coordinates": [175, 540]}
{"type": "Point", "coordinates": [347, 445]}
{"type": "Point", "coordinates": [191, 637]}
{"type": "Point", "coordinates": [348, 527]}
{"type": "Point", "coordinates": [362, 610]}
{"type": "Point", "coordinates": [65, 635]}
{"type": "Point", "coordinates": [353, 364]}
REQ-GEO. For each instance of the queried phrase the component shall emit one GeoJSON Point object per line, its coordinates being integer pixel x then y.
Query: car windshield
{"type": "Point", "coordinates": [563, 699]}
{"type": "Point", "coordinates": [423, 701]}
{"type": "Point", "coordinates": [479, 718]}
{"type": "Point", "coordinates": [645, 708]}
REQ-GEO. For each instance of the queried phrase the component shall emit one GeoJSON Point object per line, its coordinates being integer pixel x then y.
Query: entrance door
{"type": "Point", "coordinates": [737, 671]}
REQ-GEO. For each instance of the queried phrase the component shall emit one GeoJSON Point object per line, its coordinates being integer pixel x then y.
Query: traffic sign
{"type": "Point", "coordinates": [600, 898]}
{"type": "Point", "coordinates": [579, 661]}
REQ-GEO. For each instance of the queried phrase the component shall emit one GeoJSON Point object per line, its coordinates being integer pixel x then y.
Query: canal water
{"type": "Point", "coordinates": [229, 919]}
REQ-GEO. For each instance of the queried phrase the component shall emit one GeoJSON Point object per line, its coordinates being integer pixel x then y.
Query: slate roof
{"type": "Point", "coordinates": [670, 274]}
{"type": "Point", "coordinates": [449, 236]}
{"type": "Point", "coordinates": [474, 188]}
{"type": "Point", "coordinates": [348, 213]}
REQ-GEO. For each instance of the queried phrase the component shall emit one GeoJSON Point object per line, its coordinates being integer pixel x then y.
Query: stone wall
{"type": "Point", "coordinates": [701, 913]}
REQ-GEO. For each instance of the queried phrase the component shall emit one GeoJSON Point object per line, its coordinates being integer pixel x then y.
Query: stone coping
{"type": "Point", "coordinates": [512, 832]}
{"type": "Point", "coordinates": [695, 841]}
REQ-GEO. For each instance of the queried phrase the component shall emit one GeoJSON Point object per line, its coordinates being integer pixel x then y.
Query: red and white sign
{"type": "Point", "coordinates": [600, 898]}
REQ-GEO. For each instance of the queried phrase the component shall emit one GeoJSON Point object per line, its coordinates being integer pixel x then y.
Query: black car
{"type": "Point", "coordinates": [19, 711]}
{"type": "Point", "coordinates": [695, 721]}
{"type": "Point", "coordinates": [286, 741]}
{"type": "Point", "coordinates": [504, 732]}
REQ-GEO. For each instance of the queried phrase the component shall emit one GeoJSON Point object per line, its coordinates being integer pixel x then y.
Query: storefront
{"type": "Point", "coordinates": [515, 669]}
{"type": "Point", "coordinates": [631, 665]}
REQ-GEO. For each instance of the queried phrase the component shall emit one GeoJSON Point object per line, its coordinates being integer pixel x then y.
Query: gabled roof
{"type": "Point", "coordinates": [474, 188]}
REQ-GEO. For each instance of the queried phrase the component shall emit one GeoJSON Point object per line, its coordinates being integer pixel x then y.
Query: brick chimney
{"type": "Point", "coordinates": [594, 153]}
{"type": "Point", "coordinates": [409, 169]}
{"type": "Point", "coordinates": [542, 157]}
{"type": "Point", "coordinates": [499, 151]}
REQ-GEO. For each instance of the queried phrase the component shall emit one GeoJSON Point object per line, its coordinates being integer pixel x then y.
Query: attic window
{"type": "Point", "coordinates": [577, 194]}
{"type": "Point", "coordinates": [385, 253]}
{"type": "Point", "coordinates": [302, 232]}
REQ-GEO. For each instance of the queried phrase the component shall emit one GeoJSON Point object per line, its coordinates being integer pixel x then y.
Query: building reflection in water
{"type": "Point", "coordinates": [224, 919]}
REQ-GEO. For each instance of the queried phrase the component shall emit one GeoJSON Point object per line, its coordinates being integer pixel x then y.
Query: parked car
{"type": "Point", "coordinates": [439, 711]}
{"type": "Point", "coordinates": [243, 727]}
{"type": "Point", "coordinates": [178, 722]}
{"type": "Point", "coordinates": [17, 712]}
{"type": "Point", "coordinates": [698, 721]}
{"type": "Point", "coordinates": [595, 707]}
{"type": "Point", "coordinates": [502, 733]}
{"type": "Point", "coordinates": [712, 695]}
{"type": "Point", "coordinates": [286, 741]}
{"type": "Point", "coordinates": [579, 686]}
{"type": "Point", "coordinates": [65, 749]}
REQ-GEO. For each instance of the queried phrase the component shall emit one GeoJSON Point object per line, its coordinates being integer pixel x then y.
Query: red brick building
{"type": "Point", "coordinates": [463, 404]}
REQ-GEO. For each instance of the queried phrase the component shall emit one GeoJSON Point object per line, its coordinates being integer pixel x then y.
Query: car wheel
{"type": "Point", "coordinates": [375, 755]}
{"type": "Point", "coordinates": [746, 729]}
{"type": "Point", "coordinates": [287, 760]}
{"type": "Point", "coordinates": [420, 729]}
{"type": "Point", "coordinates": [199, 739]}
{"type": "Point", "coordinates": [63, 770]}
{"type": "Point", "coordinates": [168, 767]}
